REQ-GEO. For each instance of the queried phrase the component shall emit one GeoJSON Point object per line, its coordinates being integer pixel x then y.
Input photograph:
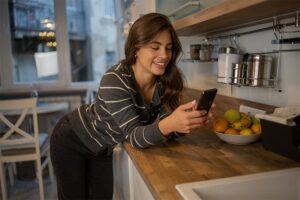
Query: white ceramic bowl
{"type": "Point", "coordinates": [238, 139]}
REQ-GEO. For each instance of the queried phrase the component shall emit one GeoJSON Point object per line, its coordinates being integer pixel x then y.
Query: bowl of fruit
{"type": "Point", "coordinates": [237, 128]}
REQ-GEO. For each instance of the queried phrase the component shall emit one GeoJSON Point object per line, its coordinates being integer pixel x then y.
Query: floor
{"type": "Point", "coordinates": [28, 189]}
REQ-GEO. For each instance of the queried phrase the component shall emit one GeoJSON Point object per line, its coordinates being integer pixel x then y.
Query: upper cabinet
{"type": "Point", "coordinates": [181, 8]}
{"type": "Point", "coordinates": [232, 14]}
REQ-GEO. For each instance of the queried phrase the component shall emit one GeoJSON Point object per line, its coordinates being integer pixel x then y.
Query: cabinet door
{"type": "Point", "coordinates": [128, 183]}
{"type": "Point", "coordinates": [121, 174]}
{"type": "Point", "coordinates": [139, 187]}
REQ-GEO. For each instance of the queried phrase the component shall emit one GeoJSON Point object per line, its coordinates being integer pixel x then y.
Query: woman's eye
{"type": "Point", "coordinates": [169, 49]}
{"type": "Point", "coordinates": [155, 48]}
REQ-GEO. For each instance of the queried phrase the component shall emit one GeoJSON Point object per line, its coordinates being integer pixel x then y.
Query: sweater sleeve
{"type": "Point", "coordinates": [119, 100]}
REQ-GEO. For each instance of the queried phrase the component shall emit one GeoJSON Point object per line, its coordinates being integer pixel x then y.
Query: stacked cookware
{"type": "Point", "coordinates": [255, 70]}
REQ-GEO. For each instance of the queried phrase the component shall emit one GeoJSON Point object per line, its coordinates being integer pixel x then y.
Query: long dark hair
{"type": "Point", "coordinates": [141, 33]}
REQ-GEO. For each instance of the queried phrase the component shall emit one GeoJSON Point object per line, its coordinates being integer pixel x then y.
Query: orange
{"type": "Point", "coordinates": [256, 128]}
{"type": "Point", "coordinates": [232, 131]}
{"type": "Point", "coordinates": [220, 125]}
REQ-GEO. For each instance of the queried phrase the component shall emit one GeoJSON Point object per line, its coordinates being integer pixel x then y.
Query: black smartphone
{"type": "Point", "coordinates": [206, 99]}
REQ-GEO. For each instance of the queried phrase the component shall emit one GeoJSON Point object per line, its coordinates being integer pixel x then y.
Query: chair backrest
{"type": "Point", "coordinates": [91, 94]}
{"type": "Point", "coordinates": [19, 120]}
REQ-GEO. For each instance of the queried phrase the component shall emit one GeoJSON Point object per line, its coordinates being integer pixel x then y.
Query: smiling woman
{"type": "Point", "coordinates": [138, 100]}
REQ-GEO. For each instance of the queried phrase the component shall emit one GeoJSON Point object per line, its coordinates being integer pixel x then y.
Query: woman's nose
{"type": "Point", "coordinates": [163, 53]}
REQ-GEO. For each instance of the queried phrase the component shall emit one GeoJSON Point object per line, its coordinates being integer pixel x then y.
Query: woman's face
{"type": "Point", "coordinates": [154, 57]}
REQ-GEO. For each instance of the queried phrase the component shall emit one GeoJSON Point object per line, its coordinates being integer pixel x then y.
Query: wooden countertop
{"type": "Point", "coordinates": [200, 156]}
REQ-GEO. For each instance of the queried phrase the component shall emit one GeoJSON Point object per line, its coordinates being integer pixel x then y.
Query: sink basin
{"type": "Point", "coordinates": [274, 185]}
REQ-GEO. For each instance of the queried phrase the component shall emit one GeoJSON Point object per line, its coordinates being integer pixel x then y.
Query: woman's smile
{"type": "Point", "coordinates": [160, 64]}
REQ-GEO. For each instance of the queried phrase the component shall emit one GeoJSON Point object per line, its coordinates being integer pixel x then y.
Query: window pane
{"type": "Point", "coordinates": [33, 40]}
{"type": "Point", "coordinates": [93, 38]}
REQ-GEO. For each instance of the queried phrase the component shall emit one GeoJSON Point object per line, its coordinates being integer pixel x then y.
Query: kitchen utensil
{"type": "Point", "coordinates": [236, 71]}
{"type": "Point", "coordinates": [256, 70]}
{"type": "Point", "coordinates": [245, 70]}
{"type": "Point", "coordinates": [227, 56]}
{"type": "Point", "coordinates": [268, 79]}
{"type": "Point", "coordinates": [194, 51]}
{"type": "Point", "coordinates": [205, 51]}
{"type": "Point", "coordinates": [260, 67]}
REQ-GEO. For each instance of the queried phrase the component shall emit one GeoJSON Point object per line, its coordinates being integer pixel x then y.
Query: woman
{"type": "Point", "coordinates": [132, 103]}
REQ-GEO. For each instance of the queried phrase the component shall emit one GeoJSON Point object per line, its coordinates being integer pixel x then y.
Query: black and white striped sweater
{"type": "Point", "coordinates": [119, 112]}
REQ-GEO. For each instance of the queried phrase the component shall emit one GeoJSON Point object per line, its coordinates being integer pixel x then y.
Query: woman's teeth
{"type": "Point", "coordinates": [161, 64]}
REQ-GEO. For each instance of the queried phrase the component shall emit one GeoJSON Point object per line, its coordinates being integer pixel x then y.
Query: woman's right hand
{"type": "Point", "coordinates": [184, 119]}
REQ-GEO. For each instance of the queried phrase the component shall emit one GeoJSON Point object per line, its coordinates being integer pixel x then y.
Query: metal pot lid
{"type": "Point", "coordinates": [228, 50]}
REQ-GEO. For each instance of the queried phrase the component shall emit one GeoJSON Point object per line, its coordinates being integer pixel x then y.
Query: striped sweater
{"type": "Point", "coordinates": [119, 113]}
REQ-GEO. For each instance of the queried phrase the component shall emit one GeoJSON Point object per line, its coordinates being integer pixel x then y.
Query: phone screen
{"type": "Point", "coordinates": [206, 99]}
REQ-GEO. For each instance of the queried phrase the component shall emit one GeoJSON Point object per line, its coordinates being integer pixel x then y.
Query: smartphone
{"type": "Point", "coordinates": [206, 99]}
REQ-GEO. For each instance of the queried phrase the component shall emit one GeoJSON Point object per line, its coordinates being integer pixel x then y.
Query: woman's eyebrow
{"type": "Point", "coordinates": [156, 42]}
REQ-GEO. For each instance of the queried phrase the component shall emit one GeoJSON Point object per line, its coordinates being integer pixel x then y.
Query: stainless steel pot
{"type": "Point", "coordinates": [236, 70]}
{"type": "Point", "coordinates": [260, 67]}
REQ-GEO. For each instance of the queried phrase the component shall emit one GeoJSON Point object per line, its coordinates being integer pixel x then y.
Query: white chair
{"type": "Point", "coordinates": [21, 141]}
{"type": "Point", "coordinates": [91, 94]}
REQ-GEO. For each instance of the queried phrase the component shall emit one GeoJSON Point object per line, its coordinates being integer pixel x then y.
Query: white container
{"type": "Point", "coordinates": [226, 58]}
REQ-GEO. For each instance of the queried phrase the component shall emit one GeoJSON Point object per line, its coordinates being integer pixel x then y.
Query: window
{"type": "Point", "coordinates": [91, 35]}
{"type": "Point", "coordinates": [34, 55]}
{"type": "Point", "coordinates": [54, 43]}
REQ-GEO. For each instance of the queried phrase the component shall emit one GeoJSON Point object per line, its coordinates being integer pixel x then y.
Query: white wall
{"type": "Point", "coordinates": [203, 75]}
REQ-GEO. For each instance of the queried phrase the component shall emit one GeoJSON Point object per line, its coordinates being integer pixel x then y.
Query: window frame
{"type": "Point", "coordinates": [64, 81]}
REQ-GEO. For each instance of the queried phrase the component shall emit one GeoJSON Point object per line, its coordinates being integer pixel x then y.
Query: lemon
{"type": "Point", "coordinates": [246, 131]}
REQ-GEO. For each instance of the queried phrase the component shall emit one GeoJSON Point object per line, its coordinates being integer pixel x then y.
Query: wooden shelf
{"type": "Point", "coordinates": [233, 14]}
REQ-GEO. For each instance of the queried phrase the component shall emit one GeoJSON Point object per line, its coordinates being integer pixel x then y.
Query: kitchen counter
{"type": "Point", "coordinates": [198, 156]}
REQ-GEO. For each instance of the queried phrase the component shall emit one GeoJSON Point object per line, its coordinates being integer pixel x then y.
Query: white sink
{"type": "Point", "coordinates": [274, 185]}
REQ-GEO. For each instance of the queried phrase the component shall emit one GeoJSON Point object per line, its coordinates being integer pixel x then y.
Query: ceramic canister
{"type": "Point", "coordinates": [227, 56]}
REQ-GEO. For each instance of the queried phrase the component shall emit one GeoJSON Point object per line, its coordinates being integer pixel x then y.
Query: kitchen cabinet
{"type": "Point", "coordinates": [128, 182]}
{"type": "Point", "coordinates": [182, 8]}
{"type": "Point", "coordinates": [179, 8]}
{"type": "Point", "coordinates": [233, 14]}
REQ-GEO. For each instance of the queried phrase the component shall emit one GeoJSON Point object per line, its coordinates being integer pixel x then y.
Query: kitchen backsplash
{"type": "Point", "coordinates": [203, 75]}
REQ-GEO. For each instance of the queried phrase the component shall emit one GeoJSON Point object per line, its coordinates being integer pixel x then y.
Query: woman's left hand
{"type": "Point", "coordinates": [210, 114]}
